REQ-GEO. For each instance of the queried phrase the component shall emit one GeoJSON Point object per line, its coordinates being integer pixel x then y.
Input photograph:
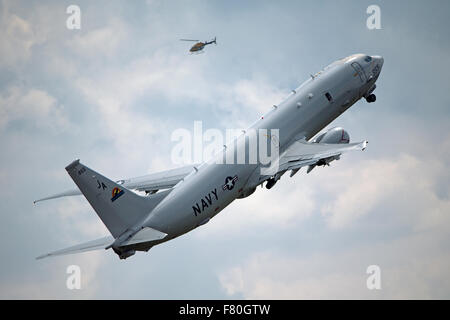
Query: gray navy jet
{"type": "Point", "coordinates": [179, 200]}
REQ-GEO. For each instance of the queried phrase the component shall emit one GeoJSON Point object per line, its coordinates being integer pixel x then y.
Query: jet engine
{"type": "Point", "coordinates": [333, 135]}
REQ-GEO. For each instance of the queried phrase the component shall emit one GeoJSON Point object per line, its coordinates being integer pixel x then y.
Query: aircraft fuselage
{"type": "Point", "coordinates": [306, 111]}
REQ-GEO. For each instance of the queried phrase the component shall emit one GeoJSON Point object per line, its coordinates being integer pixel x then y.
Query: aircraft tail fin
{"type": "Point", "coordinates": [118, 207]}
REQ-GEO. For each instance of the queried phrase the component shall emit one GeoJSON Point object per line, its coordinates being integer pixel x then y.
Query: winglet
{"type": "Point", "coordinates": [364, 145]}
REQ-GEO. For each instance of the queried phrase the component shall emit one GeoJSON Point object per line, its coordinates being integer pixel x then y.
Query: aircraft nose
{"type": "Point", "coordinates": [379, 59]}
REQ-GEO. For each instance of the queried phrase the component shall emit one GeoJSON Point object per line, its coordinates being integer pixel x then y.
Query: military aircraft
{"type": "Point", "coordinates": [199, 46]}
{"type": "Point", "coordinates": [185, 198]}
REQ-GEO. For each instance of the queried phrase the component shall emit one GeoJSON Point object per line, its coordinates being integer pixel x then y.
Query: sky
{"type": "Point", "coordinates": [113, 92]}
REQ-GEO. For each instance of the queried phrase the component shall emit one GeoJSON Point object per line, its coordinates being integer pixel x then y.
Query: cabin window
{"type": "Point", "coordinates": [329, 97]}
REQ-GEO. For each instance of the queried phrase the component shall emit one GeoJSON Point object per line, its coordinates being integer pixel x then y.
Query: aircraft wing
{"type": "Point", "coordinates": [148, 183]}
{"type": "Point", "coordinates": [159, 180]}
{"type": "Point", "coordinates": [302, 153]}
{"type": "Point", "coordinates": [102, 243]}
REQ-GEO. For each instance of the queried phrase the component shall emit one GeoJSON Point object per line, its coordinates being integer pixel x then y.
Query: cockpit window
{"type": "Point", "coordinates": [368, 58]}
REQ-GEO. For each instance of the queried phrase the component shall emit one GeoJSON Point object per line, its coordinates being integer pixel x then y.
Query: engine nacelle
{"type": "Point", "coordinates": [334, 135]}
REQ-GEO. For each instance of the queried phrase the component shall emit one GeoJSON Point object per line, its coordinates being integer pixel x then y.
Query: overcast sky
{"type": "Point", "coordinates": [112, 93]}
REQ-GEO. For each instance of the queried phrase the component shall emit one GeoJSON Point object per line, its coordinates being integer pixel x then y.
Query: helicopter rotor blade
{"type": "Point", "coordinates": [188, 40]}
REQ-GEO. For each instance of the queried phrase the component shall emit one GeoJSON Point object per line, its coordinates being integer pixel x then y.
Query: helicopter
{"type": "Point", "coordinates": [198, 47]}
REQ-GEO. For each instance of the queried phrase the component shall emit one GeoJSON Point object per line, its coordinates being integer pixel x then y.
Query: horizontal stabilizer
{"type": "Point", "coordinates": [60, 195]}
{"type": "Point", "coordinates": [101, 243]}
{"type": "Point", "coordinates": [144, 235]}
